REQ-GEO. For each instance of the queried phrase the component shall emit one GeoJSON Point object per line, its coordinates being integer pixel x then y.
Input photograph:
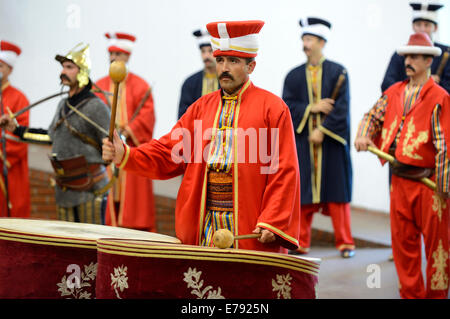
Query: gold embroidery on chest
{"type": "Point", "coordinates": [411, 144]}
{"type": "Point", "coordinates": [438, 205]}
{"type": "Point", "coordinates": [385, 136]}
{"type": "Point", "coordinates": [439, 280]}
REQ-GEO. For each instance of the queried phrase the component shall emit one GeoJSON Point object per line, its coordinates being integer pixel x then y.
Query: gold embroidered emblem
{"type": "Point", "coordinates": [410, 144]}
{"type": "Point", "coordinates": [192, 278]}
{"type": "Point", "coordinates": [439, 280]}
{"type": "Point", "coordinates": [385, 136]}
{"type": "Point", "coordinates": [119, 279]}
{"type": "Point", "coordinates": [282, 286]}
{"type": "Point", "coordinates": [438, 205]}
{"type": "Point", "coordinates": [77, 290]}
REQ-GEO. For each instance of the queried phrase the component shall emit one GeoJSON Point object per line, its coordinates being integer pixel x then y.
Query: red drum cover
{"type": "Point", "coordinates": [54, 259]}
{"type": "Point", "coordinates": [141, 269]}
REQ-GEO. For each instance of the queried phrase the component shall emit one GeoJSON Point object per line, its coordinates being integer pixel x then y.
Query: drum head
{"type": "Point", "coordinates": [56, 228]}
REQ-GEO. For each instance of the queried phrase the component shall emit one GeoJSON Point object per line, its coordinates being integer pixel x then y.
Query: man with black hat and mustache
{"type": "Point", "coordinates": [322, 134]}
{"type": "Point", "coordinates": [202, 82]}
{"type": "Point", "coordinates": [411, 121]}
{"type": "Point", "coordinates": [425, 19]}
{"type": "Point", "coordinates": [75, 133]}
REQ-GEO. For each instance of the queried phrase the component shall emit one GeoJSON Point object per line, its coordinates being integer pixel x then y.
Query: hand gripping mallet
{"type": "Point", "coordinates": [223, 238]}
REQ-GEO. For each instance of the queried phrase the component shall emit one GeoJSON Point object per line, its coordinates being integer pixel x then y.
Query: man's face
{"type": "Point", "coordinates": [416, 64]}
{"type": "Point", "coordinates": [425, 26]}
{"type": "Point", "coordinates": [312, 45]}
{"type": "Point", "coordinates": [69, 74]}
{"type": "Point", "coordinates": [233, 72]}
{"type": "Point", "coordinates": [207, 56]}
{"type": "Point", "coordinates": [6, 70]}
{"type": "Point", "coordinates": [118, 56]}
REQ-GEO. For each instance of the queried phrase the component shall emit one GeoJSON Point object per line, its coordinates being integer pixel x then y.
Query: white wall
{"type": "Point", "coordinates": [365, 33]}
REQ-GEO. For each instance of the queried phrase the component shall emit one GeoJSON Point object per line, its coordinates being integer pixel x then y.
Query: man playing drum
{"type": "Point", "coordinates": [236, 149]}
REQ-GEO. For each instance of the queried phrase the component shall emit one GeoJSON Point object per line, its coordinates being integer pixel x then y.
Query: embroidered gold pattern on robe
{"type": "Point", "coordinates": [282, 286]}
{"type": "Point", "coordinates": [384, 132]}
{"type": "Point", "coordinates": [410, 144]}
{"type": "Point", "coordinates": [439, 280]}
{"type": "Point", "coordinates": [192, 278]}
{"type": "Point", "coordinates": [438, 205]}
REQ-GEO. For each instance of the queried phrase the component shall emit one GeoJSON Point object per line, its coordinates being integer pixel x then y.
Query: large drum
{"type": "Point", "coordinates": [55, 259]}
{"type": "Point", "coordinates": [142, 269]}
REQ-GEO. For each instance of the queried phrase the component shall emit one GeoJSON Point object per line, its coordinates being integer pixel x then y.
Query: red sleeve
{"type": "Point", "coordinates": [166, 157]}
{"type": "Point", "coordinates": [16, 151]}
{"type": "Point", "coordinates": [280, 211]}
{"type": "Point", "coordinates": [445, 120]}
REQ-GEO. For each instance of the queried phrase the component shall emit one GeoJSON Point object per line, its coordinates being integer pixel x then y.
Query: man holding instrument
{"type": "Point", "coordinates": [411, 122]}
{"type": "Point", "coordinates": [75, 133]}
{"type": "Point", "coordinates": [215, 145]}
{"type": "Point", "coordinates": [15, 183]}
{"type": "Point", "coordinates": [425, 19]}
{"type": "Point", "coordinates": [317, 94]}
{"type": "Point", "coordinates": [130, 202]}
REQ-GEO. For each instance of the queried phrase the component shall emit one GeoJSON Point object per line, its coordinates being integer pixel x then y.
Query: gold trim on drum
{"type": "Point", "coordinates": [47, 240]}
{"type": "Point", "coordinates": [130, 243]}
{"type": "Point", "coordinates": [211, 254]}
{"type": "Point", "coordinates": [49, 243]}
{"type": "Point", "coordinates": [81, 235]}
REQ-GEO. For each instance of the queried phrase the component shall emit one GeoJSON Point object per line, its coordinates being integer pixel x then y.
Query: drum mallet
{"type": "Point", "coordinates": [117, 72]}
{"type": "Point", "coordinates": [223, 238]}
{"type": "Point", "coordinates": [428, 182]}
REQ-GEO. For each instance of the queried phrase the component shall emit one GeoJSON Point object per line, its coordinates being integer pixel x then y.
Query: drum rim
{"type": "Point", "coordinates": [171, 251]}
{"type": "Point", "coordinates": [58, 240]}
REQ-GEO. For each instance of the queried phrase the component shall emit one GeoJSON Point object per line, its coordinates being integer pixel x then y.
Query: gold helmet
{"type": "Point", "coordinates": [80, 56]}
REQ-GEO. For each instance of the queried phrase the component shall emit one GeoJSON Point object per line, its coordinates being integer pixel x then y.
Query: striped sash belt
{"type": "Point", "coordinates": [219, 205]}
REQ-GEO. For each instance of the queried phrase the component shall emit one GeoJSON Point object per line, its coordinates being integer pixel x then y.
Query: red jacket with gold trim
{"type": "Point", "coordinates": [415, 144]}
{"type": "Point", "coordinates": [266, 190]}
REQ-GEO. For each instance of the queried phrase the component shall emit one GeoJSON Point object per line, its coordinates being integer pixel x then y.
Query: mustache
{"type": "Point", "coordinates": [207, 60]}
{"type": "Point", "coordinates": [306, 49]}
{"type": "Point", "coordinates": [224, 75]}
{"type": "Point", "coordinates": [409, 66]}
{"type": "Point", "coordinates": [64, 77]}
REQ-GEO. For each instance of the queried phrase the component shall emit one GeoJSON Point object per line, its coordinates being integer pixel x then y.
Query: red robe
{"type": "Point", "coordinates": [135, 193]}
{"type": "Point", "coordinates": [415, 209]}
{"type": "Point", "coordinates": [269, 200]}
{"type": "Point", "coordinates": [17, 157]}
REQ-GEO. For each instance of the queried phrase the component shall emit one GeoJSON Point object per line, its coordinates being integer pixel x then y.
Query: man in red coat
{"type": "Point", "coordinates": [237, 152]}
{"type": "Point", "coordinates": [411, 121]}
{"type": "Point", "coordinates": [130, 201]}
{"type": "Point", "coordinates": [18, 183]}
